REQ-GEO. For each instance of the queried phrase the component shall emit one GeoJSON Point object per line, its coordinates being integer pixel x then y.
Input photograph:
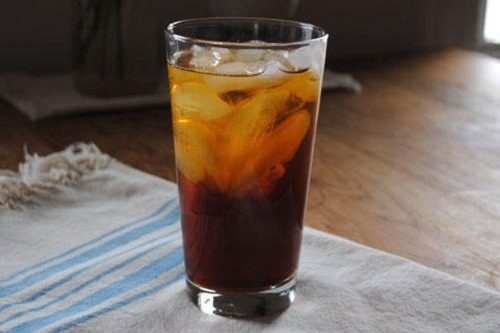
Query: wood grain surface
{"type": "Point", "coordinates": [410, 166]}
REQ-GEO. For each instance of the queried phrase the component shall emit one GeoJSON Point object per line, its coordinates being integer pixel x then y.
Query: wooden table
{"type": "Point", "coordinates": [410, 166]}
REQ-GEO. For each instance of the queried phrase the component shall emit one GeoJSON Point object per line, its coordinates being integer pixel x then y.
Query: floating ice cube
{"type": "Point", "coordinates": [244, 76]}
{"type": "Point", "coordinates": [249, 55]}
{"type": "Point", "coordinates": [311, 56]}
{"type": "Point", "coordinates": [239, 68]}
{"type": "Point", "coordinates": [274, 148]}
{"type": "Point", "coordinates": [197, 48]}
{"type": "Point", "coordinates": [305, 86]}
{"type": "Point", "coordinates": [222, 54]}
{"type": "Point", "coordinates": [286, 138]}
{"type": "Point", "coordinates": [277, 55]}
{"type": "Point", "coordinates": [257, 115]}
{"type": "Point", "coordinates": [279, 59]}
{"type": "Point", "coordinates": [204, 59]}
{"type": "Point", "coordinates": [194, 144]}
{"type": "Point", "coordinates": [245, 129]}
{"type": "Point", "coordinates": [194, 99]}
{"type": "Point", "coordinates": [300, 58]}
{"type": "Point", "coordinates": [209, 57]}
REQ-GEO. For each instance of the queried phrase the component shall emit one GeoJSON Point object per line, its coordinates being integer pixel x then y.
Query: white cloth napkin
{"type": "Point", "coordinates": [48, 96]}
{"type": "Point", "coordinates": [88, 244]}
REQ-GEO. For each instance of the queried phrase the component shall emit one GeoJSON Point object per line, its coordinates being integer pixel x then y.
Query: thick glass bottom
{"type": "Point", "coordinates": [243, 304]}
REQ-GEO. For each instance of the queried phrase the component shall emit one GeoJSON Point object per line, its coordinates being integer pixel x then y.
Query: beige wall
{"type": "Point", "coordinates": [37, 35]}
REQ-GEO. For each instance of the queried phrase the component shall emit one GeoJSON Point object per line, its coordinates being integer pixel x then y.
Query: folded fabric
{"type": "Point", "coordinates": [89, 244]}
{"type": "Point", "coordinates": [48, 96]}
{"type": "Point", "coordinates": [56, 95]}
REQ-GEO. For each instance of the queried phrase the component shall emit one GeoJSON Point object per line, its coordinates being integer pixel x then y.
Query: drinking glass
{"type": "Point", "coordinates": [245, 96]}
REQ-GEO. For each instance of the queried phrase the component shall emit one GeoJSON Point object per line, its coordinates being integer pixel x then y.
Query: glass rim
{"type": "Point", "coordinates": [170, 30]}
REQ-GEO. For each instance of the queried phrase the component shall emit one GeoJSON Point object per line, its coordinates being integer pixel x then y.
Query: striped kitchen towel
{"type": "Point", "coordinates": [88, 244]}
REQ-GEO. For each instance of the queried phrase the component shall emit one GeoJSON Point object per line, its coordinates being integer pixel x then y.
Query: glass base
{"type": "Point", "coordinates": [249, 304]}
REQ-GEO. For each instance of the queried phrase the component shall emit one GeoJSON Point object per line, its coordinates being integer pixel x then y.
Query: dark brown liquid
{"type": "Point", "coordinates": [246, 243]}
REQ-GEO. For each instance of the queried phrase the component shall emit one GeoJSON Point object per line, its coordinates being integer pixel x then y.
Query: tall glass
{"type": "Point", "coordinates": [245, 95]}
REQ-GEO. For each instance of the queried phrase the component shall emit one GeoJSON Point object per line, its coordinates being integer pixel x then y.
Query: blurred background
{"type": "Point", "coordinates": [40, 36]}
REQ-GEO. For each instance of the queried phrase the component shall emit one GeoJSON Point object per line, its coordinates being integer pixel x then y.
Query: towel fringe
{"type": "Point", "coordinates": [43, 172]}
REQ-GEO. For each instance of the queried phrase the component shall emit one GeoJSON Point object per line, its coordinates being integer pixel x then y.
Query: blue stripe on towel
{"type": "Point", "coordinates": [132, 281]}
{"type": "Point", "coordinates": [44, 291]}
{"type": "Point", "coordinates": [73, 250]}
{"type": "Point", "coordinates": [69, 277]}
{"type": "Point", "coordinates": [86, 283]}
{"type": "Point", "coordinates": [118, 305]}
{"type": "Point", "coordinates": [93, 253]}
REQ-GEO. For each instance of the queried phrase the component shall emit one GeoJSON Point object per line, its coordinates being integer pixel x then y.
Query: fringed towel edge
{"type": "Point", "coordinates": [38, 173]}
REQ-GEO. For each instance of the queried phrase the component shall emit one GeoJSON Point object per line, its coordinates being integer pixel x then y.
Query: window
{"type": "Point", "coordinates": [491, 32]}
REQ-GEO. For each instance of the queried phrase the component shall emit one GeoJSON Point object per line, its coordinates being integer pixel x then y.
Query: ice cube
{"type": "Point", "coordinates": [279, 59]}
{"type": "Point", "coordinates": [305, 86]}
{"type": "Point", "coordinates": [310, 57]}
{"type": "Point", "coordinates": [238, 68]}
{"type": "Point", "coordinates": [207, 58]}
{"type": "Point", "coordinates": [276, 55]}
{"type": "Point", "coordinates": [197, 48]}
{"type": "Point", "coordinates": [286, 138]}
{"type": "Point", "coordinates": [222, 54]}
{"type": "Point", "coordinates": [266, 164]}
{"type": "Point", "coordinates": [194, 99]}
{"type": "Point", "coordinates": [245, 133]}
{"type": "Point", "coordinates": [257, 115]}
{"type": "Point", "coordinates": [198, 153]}
{"type": "Point", "coordinates": [204, 59]}
{"type": "Point", "coordinates": [194, 144]}
{"type": "Point", "coordinates": [244, 77]}
{"type": "Point", "coordinates": [182, 59]}
{"type": "Point", "coordinates": [300, 57]}
{"type": "Point", "coordinates": [249, 55]}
